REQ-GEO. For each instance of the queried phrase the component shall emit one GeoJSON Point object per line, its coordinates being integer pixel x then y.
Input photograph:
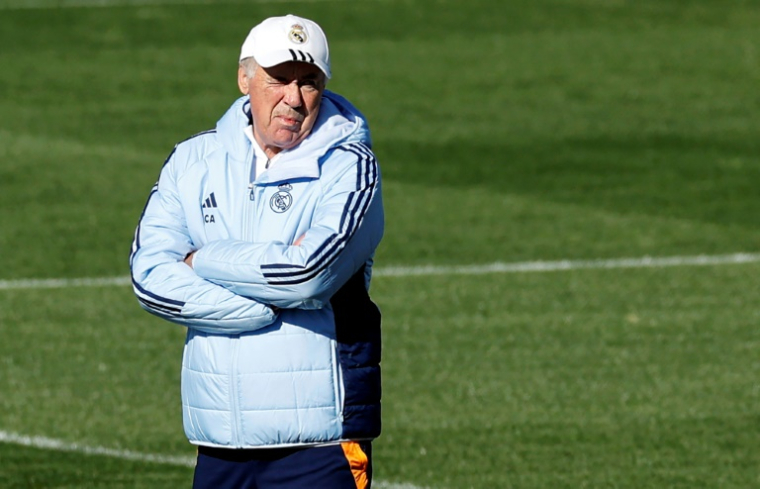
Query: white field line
{"type": "Point", "coordinates": [563, 265]}
{"type": "Point", "coordinates": [498, 267]}
{"type": "Point", "coordinates": [61, 4]}
{"type": "Point", "coordinates": [62, 446]}
{"type": "Point", "coordinates": [62, 283]}
{"type": "Point", "coordinates": [45, 443]}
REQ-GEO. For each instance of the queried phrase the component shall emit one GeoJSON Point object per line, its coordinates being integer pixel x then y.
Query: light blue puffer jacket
{"type": "Point", "coordinates": [283, 344]}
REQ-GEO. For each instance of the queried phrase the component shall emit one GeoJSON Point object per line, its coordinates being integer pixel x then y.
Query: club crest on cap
{"type": "Point", "coordinates": [297, 34]}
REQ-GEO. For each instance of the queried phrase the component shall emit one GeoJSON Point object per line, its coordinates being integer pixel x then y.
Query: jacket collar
{"type": "Point", "coordinates": [338, 123]}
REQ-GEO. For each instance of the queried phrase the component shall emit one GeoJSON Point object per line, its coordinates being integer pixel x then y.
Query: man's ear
{"type": "Point", "coordinates": [242, 80]}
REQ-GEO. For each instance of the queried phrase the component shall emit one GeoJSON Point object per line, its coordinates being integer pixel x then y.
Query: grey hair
{"type": "Point", "coordinates": [249, 65]}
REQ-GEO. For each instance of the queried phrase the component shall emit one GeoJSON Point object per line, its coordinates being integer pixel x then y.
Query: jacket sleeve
{"type": "Point", "coordinates": [167, 287]}
{"type": "Point", "coordinates": [345, 231]}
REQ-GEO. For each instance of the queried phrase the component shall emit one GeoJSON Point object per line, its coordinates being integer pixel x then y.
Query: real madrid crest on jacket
{"type": "Point", "coordinates": [314, 325]}
{"type": "Point", "coordinates": [281, 200]}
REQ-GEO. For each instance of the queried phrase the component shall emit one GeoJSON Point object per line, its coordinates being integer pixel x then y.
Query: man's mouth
{"type": "Point", "coordinates": [290, 121]}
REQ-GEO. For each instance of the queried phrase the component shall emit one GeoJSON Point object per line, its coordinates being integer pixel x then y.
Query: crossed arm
{"type": "Point", "coordinates": [166, 287]}
{"type": "Point", "coordinates": [189, 258]}
{"type": "Point", "coordinates": [232, 286]}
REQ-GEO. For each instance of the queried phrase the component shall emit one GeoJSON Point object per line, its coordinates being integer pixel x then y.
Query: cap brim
{"type": "Point", "coordinates": [274, 58]}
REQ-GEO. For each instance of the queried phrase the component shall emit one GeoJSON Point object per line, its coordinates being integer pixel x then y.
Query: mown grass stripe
{"type": "Point", "coordinates": [498, 267]}
{"type": "Point", "coordinates": [59, 4]}
{"type": "Point", "coordinates": [45, 443]}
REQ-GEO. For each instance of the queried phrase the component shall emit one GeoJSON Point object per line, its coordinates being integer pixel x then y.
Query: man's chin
{"type": "Point", "coordinates": [289, 139]}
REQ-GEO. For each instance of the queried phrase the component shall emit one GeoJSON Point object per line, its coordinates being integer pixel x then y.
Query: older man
{"type": "Point", "coordinates": [259, 238]}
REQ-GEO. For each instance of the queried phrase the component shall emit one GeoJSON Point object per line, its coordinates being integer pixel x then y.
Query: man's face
{"type": "Point", "coordinates": [285, 101]}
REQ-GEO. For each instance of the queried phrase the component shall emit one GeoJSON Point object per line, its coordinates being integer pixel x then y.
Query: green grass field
{"type": "Point", "coordinates": [507, 132]}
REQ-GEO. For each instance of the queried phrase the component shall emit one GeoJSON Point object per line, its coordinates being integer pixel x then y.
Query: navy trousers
{"type": "Point", "coordinates": [344, 466]}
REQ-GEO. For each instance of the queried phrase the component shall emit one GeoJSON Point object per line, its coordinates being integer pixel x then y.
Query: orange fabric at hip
{"type": "Point", "coordinates": [358, 462]}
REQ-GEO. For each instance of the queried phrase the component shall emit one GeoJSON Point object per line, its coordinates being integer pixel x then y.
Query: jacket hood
{"type": "Point", "coordinates": [338, 123]}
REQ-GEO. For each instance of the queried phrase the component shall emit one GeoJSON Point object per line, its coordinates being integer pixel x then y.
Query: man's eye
{"type": "Point", "coordinates": [276, 80]}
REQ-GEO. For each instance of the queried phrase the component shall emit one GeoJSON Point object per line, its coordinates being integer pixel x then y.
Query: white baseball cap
{"type": "Point", "coordinates": [281, 39]}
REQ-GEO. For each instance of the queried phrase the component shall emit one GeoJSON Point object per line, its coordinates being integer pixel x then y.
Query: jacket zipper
{"type": "Point", "coordinates": [337, 380]}
{"type": "Point", "coordinates": [254, 195]}
{"type": "Point", "coordinates": [235, 438]}
{"type": "Point", "coordinates": [250, 201]}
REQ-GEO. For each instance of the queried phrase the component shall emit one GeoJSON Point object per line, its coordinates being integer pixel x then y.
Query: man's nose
{"type": "Point", "coordinates": [293, 94]}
